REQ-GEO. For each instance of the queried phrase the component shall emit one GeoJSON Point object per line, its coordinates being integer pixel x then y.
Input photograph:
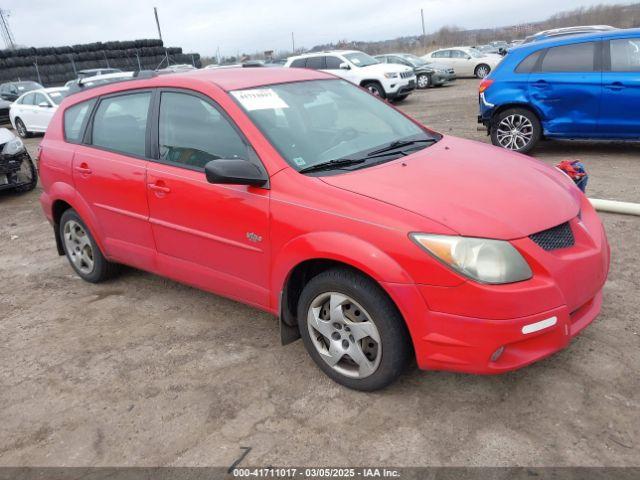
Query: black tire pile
{"type": "Point", "coordinates": [56, 67]}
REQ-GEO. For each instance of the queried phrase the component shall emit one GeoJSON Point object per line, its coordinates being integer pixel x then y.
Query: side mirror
{"type": "Point", "coordinates": [467, 57]}
{"type": "Point", "coordinates": [44, 105]}
{"type": "Point", "coordinates": [234, 172]}
{"type": "Point", "coordinates": [345, 66]}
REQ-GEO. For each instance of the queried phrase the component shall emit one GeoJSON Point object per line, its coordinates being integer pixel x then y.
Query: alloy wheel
{"type": "Point", "coordinates": [78, 246]}
{"type": "Point", "coordinates": [22, 131]}
{"type": "Point", "coordinates": [374, 90]}
{"type": "Point", "coordinates": [423, 81]}
{"type": "Point", "coordinates": [514, 132]}
{"type": "Point", "coordinates": [482, 71]}
{"type": "Point", "coordinates": [344, 335]}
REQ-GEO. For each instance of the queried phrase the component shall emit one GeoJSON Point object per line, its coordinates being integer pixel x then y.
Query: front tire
{"type": "Point", "coordinates": [82, 251]}
{"type": "Point", "coordinates": [482, 70]}
{"type": "Point", "coordinates": [21, 129]}
{"type": "Point", "coordinates": [27, 175]}
{"type": "Point", "coordinates": [423, 81]}
{"type": "Point", "coordinates": [352, 330]}
{"type": "Point", "coordinates": [516, 129]}
{"type": "Point", "coordinates": [375, 89]}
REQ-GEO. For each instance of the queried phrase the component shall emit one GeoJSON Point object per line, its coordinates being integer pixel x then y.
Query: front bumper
{"type": "Point", "coordinates": [400, 88]}
{"type": "Point", "coordinates": [442, 78]}
{"type": "Point", "coordinates": [486, 329]}
{"type": "Point", "coordinates": [9, 168]}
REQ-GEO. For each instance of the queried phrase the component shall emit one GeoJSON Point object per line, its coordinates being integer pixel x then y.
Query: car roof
{"type": "Point", "coordinates": [227, 79]}
{"type": "Point", "coordinates": [325, 52]}
{"type": "Point", "coordinates": [578, 37]}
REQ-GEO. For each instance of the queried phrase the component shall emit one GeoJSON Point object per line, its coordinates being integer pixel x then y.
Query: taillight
{"type": "Point", "coordinates": [484, 84]}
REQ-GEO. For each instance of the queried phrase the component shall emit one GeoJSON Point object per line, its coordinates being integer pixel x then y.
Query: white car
{"type": "Point", "coordinates": [466, 61]}
{"type": "Point", "coordinates": [101, 79]}
{"type": "Point", "coordinates": [391, 81]}
{"type": "Point", "coordinates": [32, 111]}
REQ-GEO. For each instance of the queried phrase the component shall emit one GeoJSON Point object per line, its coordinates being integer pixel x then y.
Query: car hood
{"type": "Point", "coordinates": [6, 135]}
{"type": "Point", "coordinates": [386, 68]}
{"type": "Point", "coordinates": [473, 188]}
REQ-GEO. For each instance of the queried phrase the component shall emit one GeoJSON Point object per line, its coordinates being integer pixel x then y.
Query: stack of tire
{"type": "Point", "coordinates": [57, 65]}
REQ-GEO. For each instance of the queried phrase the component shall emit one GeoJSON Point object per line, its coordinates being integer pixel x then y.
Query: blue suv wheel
{"type": "Point", "coordinates": [516, 129]}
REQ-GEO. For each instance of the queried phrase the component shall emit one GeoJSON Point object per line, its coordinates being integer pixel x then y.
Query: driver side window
{"type": "Point", "coordinates": [191, 132]}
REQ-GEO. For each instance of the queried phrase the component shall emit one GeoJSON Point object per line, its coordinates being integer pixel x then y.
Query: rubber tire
{"type": "Point", "coordinates": [428, 81]}
{"type": "Point", "coordinates": [397, 349]}
{"type": "Point", "coordinates": [102, 268]}
{"type": "Point", "coordinates": [533, 118]}
{"type": "Point", "coordinates": [377, 86]}
{"type": "Point", "coordinates": [27, 134]}
{"type": "Point", "coordinates": [34, 179]}
{"type": "Point", "coordinates": [475, 72]}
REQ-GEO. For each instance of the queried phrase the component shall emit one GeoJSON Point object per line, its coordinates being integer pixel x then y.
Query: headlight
{"type": "Point", "coordinates": [391, 75]}
{"type": "Point", "coordinates": [481, 259]}
{"type": "Point", "coordinates": [13, 146]}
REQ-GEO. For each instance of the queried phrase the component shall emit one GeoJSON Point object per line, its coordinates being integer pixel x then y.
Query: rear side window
{"type": "Point", "coordinates": [316, 63]}
{"type": "Point", "coordinates": [75, 118]}
{"type": "Point", "coordinates": [193, 132]}
{"type": "Point", "coordinates": [578, 57]}
{"type": "Point", "coordinates": [28, 99]}
{"type": "Point", "coordinates": [120, 123]}
{"type": "Point", "coordinates": [332, 63]}
{"type": "Point", "coordinates": [442, 54]}
{"type": "Point", "coordinates": [529, 63]}
{"type": "Point", "coordinates": [625, 55]}
{"type": "Point", "coordinates": [299, 63]}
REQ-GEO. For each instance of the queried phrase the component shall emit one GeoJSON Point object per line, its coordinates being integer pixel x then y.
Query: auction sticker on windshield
{"type": "Point", "coordinates": [259, 99]}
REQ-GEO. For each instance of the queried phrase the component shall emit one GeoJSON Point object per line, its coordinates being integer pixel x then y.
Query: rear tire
{"type": "Point", "coordinates": [375, 89]}
{"type": "Point", "coordinates": [21, 129]}
{"type": "Point", "coordinates": [82, 251]}
{"type": "Point", "coordinates": [352, 330]}
{"type": "Point", "coordinates": [516, 129]}
{"type": "Point", "coordinates": [482, 70]}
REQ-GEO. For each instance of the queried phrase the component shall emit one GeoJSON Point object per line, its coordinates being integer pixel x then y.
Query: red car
{"type": "Point", "coordinates": [370, 236]}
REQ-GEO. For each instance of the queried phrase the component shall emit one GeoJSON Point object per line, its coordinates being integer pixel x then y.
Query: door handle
{"type": "Point", "coordinates": [615, 86]}
{"type": "Point", "coordinates": [159, 187]}
{"type": "Point", "coordinates": [84, 169]}
{"type": "Point", "coordinates": [540, 84]}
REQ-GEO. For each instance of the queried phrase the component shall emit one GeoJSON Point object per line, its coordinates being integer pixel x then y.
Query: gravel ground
{"type": "Point", "coordinates": [144, 371]}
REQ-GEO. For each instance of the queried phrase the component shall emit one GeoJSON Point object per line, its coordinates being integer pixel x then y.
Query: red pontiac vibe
{"type": "Point", "coordinates": [373, 238]}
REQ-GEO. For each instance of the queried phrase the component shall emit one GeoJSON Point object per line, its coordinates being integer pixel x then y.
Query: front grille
{"type": "Point", "coordinates": [555, 238]}
{"type": "Point", "coordinates": [406, 74]}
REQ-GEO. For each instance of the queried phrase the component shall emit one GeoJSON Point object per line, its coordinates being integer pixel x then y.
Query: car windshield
{"type": "Point", "coordinates": [58, 96]}
{"type": "Point", "coordinates": [360, 59]}
{"type": "Point", "coordinates": [414, 60]}
{"type": "Point", "coordinates": [319, 121]}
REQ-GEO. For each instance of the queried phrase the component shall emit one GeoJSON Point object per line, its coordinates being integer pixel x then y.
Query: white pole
{"type": "Point", "coordinates": [612, 206]}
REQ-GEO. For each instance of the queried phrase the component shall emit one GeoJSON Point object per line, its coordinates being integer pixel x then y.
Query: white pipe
{"type": "Point", "coordinates": [626, 208]}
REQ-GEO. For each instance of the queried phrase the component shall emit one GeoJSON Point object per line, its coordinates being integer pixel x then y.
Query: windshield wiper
{"type": "Point", "coordinates": [331, 164]}
{"type": "Point", "coordinates": [399, 144]}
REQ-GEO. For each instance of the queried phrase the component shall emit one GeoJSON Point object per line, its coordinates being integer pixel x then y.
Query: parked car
{"type": "Point", "coordinates": [576, 87]}
{"type": "Point", "coordinates": [567, 31]}
{"type": "Point", "coordinates": [466, 61]}
{"type": "Point", "coordinates": [394, 82]}
{"type": "Point", "coordinates": [12, 90]}
{"type": "Point", "coordinates": [427, 74]}
{"type": "Point", "coordinates": [17, 171]}
{"type": "Point", "coordinates": [33, 111]}
{"type": "Point", "coordinates": [367, 234]}
{"type": "Point", "coordinates": [92, 72]}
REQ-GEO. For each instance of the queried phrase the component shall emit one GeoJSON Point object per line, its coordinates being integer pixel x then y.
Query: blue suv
{"type": "Point", "coordinates": [578, 87]}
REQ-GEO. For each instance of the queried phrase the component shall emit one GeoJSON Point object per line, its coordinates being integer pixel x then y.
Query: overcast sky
{"type": "Point", "coordinates": [255, 25]}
